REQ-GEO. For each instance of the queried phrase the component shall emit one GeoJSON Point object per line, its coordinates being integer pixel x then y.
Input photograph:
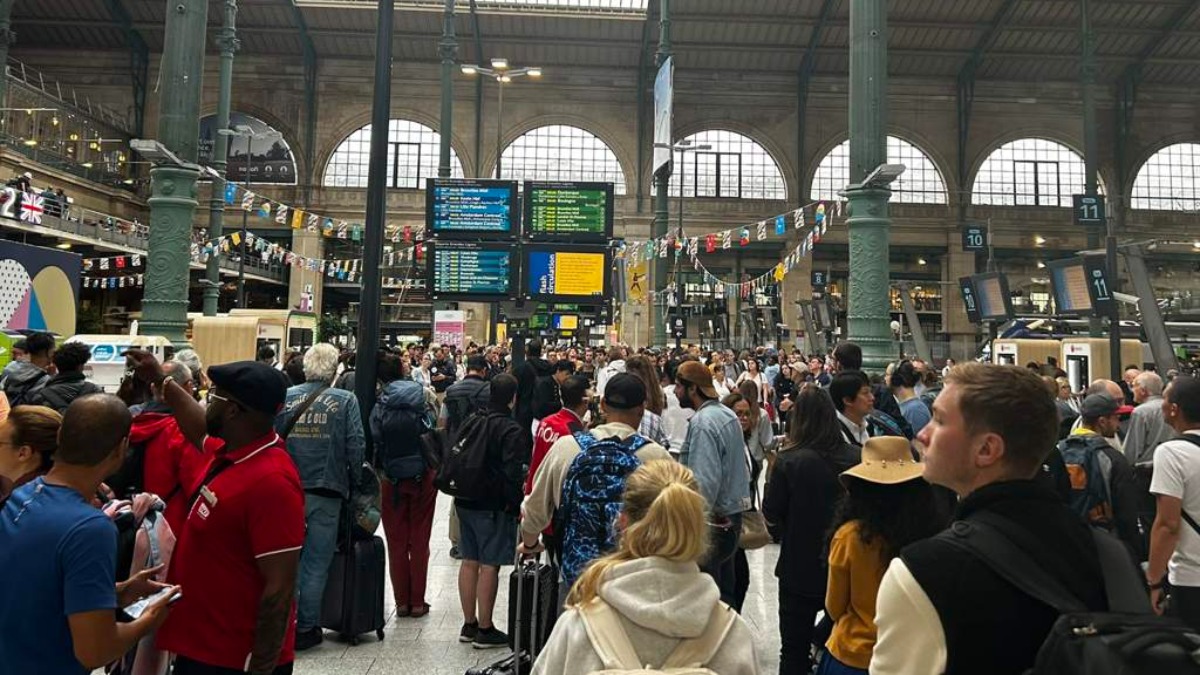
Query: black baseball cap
{"type": "Point", "coordinates": [1098, 405]}
{"type": "Point", "coordinates": [255, 385]}
{"type": "Point", "coordinates": [624, 391]}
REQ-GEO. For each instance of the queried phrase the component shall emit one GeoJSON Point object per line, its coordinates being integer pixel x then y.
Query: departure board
{"type": "Point", "coordinates": [574, 211]}
{"type": "Point", "coordinates": [991, 292]}
{"type": "Point", "coordinates": [576, 273]}
{"type": "Point", "coordinates": [471, 209]}
{"type": "Point", "coordinates": [1069, 282]}
{"type": "Point", "coordinates": [465, 271]}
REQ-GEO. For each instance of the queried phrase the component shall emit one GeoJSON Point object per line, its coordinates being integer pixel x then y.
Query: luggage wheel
{"type": "Point", "coordinates": [379, 634]}
{"type": "Point", "coordinates": [353, 640]}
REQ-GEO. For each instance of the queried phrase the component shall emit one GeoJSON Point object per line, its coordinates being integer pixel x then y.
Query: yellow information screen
{"type": "Point", "coordinates": [566, 274]}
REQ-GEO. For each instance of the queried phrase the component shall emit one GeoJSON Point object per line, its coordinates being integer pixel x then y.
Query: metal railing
{"type": "Point", "coordinates": [20, 73]}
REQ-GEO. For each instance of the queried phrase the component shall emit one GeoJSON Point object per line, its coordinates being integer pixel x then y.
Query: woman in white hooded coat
{"type": "Point", "coordinates": [648, 601]}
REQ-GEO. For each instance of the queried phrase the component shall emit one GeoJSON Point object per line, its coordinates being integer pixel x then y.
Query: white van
{"type": "Point", "coordinates": [106, 367]}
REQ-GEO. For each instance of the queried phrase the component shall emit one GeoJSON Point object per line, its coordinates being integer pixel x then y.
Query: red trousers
{"type": "Point", "coordinates": [407, 522]}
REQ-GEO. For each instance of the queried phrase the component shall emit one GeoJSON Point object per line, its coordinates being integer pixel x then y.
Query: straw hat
{"type": "Point", "coordinates": [886, 460]}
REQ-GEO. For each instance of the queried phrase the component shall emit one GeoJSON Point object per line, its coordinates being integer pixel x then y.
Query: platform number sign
{"type": "Point", "coordinates": [1089, 210]}
{"type": "Point", "coordinates": [819, 280]}
{"type": "Point", "coordinates": [970, 302]}
{"type": "Point", "coordinates": [974, 238]}
{"type": "Point", "coordinates": [1099, 285]}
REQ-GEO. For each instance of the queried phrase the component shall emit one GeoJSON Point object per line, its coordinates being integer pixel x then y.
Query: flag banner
{"type": "Point", "coordinates": [725, 239]}
{"type": "Point", "coordinates": [248, 201]}
{"type": "Point", "coordinates": [745, 238]}
{"type": "Point", "coordinates": [762, 230]}
{"type": "Point", "coordinates": [281, 214]}
{"type": "Point", "coordinates": [297, 219]}
{"type": "Point", "coordinates": [780, 225]}
{"type": "Point", "coordinates": [264, 210]}
{"type": "Point", "coordinates": [230, 193]}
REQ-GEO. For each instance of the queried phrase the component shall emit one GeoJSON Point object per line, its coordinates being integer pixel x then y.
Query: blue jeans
{"type": "Point", "coordinates": [831, 666]}
{"type": "Point", "coordinates": [320, 542]}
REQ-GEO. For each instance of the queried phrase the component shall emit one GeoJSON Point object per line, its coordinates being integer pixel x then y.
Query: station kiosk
{"type": "Point", "coordinates": [1021, 351]}
{"type": "Point", "coordinates": [1087, 359]}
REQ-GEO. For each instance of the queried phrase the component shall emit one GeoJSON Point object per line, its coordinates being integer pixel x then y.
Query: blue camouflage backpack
{"type": "Point", "coordinates": [592, 493]}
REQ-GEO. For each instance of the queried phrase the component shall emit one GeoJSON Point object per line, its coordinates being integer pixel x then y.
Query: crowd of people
{"type": "Point", "coordinates": [189, 520]}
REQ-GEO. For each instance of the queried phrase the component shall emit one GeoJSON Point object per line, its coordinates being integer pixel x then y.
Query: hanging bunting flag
{"type": "Point", "coordinates": [710, 243]}
{"type": "Point", "coordinates": [281, 214]}
{"type": "Point", "coordinates": [104, 263]}
{"type": "Point", "coordinates": [311, 223]}
{"type": "Point", "coordinates": [820, 213]}
{"type": "Point", "coordinates": [837, 209]}
{"type": "Point", "coordinates": [297, 219]}
{"type": "Point", "coordinates": [779, 272]}
{"type": "Point", "coordinates": [327, 227]}
{"type": "Point", "coordinates": [248, 201]}
{"type": "Point", "coordinates": [120, 262]}
{"type": "Point", "coordinates": [408, 234]}
{"type": "Point", "coordinates": [236, 238]}
{"type": "Point", "coordinates": [662, 249]}
{"type": "Point", "coordinates": [135, 260]}
{"type": "Point", "coordinates": [798, 218]}
{"type": "Point", "coordinates": [745, 238]}
{"type": "Point", "coordinates": [356, 232]}
{"type": "Point", "coordinates": [264, 210]}
{"type": "Point", "coordinates": [780, 225]}
{"type": "Point", "coordinates": [230, 193]}
{"type": "Point", "coordinates": [725, 238]}
{"type": "Point", "coordinates": [342, 229]}
{"type": "Point", "coordinates": [419, 252]}
{"type": "Point", "coordinates": [762, 230]}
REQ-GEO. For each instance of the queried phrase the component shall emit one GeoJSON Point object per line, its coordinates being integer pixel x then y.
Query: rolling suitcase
{"type": "Point", "coordinates": [532, 600]}
{"type": "Point", "coordinates": [353, 600]}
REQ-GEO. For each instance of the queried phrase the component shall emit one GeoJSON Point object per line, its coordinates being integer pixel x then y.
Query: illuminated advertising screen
{"type": "Point", "coordinates": [471, 209]}
{"type": "Point", "coordinates": [573, 211]}
{"type": "Point", "coordinates": [567, 273]}
{"type": "Point", "coordinates": [991, 292]}
{"type": "Point", "coordinates": [471, 271]}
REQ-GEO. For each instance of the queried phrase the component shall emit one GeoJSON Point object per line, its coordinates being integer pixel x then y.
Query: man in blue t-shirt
{"type": "Point", "coordinates": [58, 553]}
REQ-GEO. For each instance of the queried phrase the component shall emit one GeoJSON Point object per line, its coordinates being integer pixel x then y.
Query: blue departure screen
{"type": "Point", "coordinates": [471, 270]}
{"type": "Point", "coordinates": [472, 206]}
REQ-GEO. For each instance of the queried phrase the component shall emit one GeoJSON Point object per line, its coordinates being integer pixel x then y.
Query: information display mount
{"type": "Point", "coordinates": [575, 212]}
{"type": "Point", "coordinates": [566, 273]}
{"type": "Point", "coordinates": [1080, 286]}
{"type": "Point", "coordinates": [483, 272]}
{"type": "Point", "coordinates": [471, 210]}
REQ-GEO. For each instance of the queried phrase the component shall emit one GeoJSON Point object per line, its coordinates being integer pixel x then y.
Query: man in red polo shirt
{"type": "Point", "coordinates": [239, 549]}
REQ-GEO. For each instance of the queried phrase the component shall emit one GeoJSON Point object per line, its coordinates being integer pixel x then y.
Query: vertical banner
{"type": "Point", "coordinates": [664, 96]}
{"type": "Point", "coordinates": [450, 328]}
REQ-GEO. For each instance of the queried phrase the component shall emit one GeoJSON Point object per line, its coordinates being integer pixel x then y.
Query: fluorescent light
{"type": "Point", "coordinates": [31, 142]}
{"type": "Point", "coordinates": [66, 246]}
{"type": "Point", "coordinates": [1196, 244]}
{"type": "Point", "coordinates": [535, 72]}
{"type": "Point", "coordinates": [1041, 265]}
{"type": "Point", "coordinates": [470, 70]}
{"type": "Point", "coordinates": [505, 79]}
{"type": "Point", "coordinates": [88, 165]}
{"type": "Point", "coordinates": [921, 261]}
{"type": "Point", "coordinates": [500, 64]}
{"type": "Point", "coordinates": [1039, 240]}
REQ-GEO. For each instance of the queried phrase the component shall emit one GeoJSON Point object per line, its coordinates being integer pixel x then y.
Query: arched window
{"type": "Point", "coordinates": [733, 166]}
{"type": "Point", "coordinates": [1030, 172]}
{"type": "Point", "coordinates": [271, 159]}
{"type": "Point", "coordinates": [921, 183]}
{"type": "Point", "coordinates": [562, 153]}
{"type": "Point", "coordinates": [413, 153]}
{"type": "Point", "coordinates": [1169, 180]}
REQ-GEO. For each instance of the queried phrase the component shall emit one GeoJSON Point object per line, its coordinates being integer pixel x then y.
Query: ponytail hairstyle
{"type": "Point", "coordinates": [665, 517]}
{"type": "Point", "coordinates": [37, 427]}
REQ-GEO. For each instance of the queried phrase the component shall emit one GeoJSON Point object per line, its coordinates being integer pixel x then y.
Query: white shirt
{"type": "Point", "coordinates": [858, 431]}
{"type": "Point", "coordinates": [605, 374]}
{"type": "Point", "coordinates": [1177, 474]}
{"type": "Point", "coordinates": [910, 638]}
{"type": "Point", "coordinates": [675, 419]}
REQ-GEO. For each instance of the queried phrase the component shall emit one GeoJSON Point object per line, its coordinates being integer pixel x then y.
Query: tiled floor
{"type": "Point", "coordinates": [429, 645]}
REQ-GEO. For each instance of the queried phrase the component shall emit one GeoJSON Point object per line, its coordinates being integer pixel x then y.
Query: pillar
{"type": "Point", "coordinates": [228, 43]}
{"type": "Point", "coordinates": [869, 222]}
{"type": "Point", "coordinates": [662, 183]}
{"type": "Point", "coordinates": [963, 334]}
{"type": "Point", "coordinates": [797, 285]}
{"type": "Point", "coordinates": [173, 188]}
{"type": "Point", "coordinates": [7, 39]}
{"type": "Point", "coordinates": [302, 280]}
{"type": "Point", "coordinates": [448, 50]}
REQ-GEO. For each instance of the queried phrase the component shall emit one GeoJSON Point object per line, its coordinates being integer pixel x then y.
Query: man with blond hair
{"type": "Point", "coordinates": [324, 433]}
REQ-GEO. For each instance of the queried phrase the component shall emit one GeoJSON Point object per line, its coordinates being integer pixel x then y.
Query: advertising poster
{"type": "Point", "coordinates": [450, 328]}
{"type": "Point", "coordinates": [566, 274]}
{"type": "Point", "coordinates": [638, 278]}
{"type": "Point", "coordinates": [664, 95]}
{"type": "Point", "coordinates": [271, 159]}
{"type": "Point", "coordinates": [39, 288]}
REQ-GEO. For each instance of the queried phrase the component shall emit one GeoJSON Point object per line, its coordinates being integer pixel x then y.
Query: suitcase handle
{"type": "Point", "coordinates": [520, 562]}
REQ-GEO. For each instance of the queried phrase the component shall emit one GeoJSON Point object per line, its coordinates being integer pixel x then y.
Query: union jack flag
{"type": "Point", "coordinates": [32, 208]}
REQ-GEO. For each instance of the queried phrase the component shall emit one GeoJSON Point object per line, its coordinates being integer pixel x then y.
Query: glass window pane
{"type": "Point", "coordinates": [1169, 180]}
{"type": "Point", "coordinates": [418, 160]}
{"type": "Point", "coordinates": [562, 153]}
{"type": "Point", "coordinates": [921, 182]}
{"type": "Point", "coordinates": [1029, 172]}
{"type": "Point", "coordinates": [747, 170]}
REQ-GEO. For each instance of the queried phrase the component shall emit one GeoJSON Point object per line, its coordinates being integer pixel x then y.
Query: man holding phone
{"type": "Point", "coordinates": [59, 552]}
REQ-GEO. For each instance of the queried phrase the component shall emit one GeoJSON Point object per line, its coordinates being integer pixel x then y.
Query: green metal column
{"type": "Point", "coordinates": [1091, 133]}
{"type": "Point", "coordinates": [228, 43]}
{"type": "Point", "coordinates": [869, 222]}
{"type": "Point", "coordinates": [448, 50]}
{"type": "Point", "coordinates": [173, 189]}
{"type": "Point", "coordinates": [662, 215]}
{"type": "Point", "coordinates": [7, 39]}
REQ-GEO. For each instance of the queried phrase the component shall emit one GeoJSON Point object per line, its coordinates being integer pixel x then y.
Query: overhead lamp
{"type": "Point", "coordinates": [88, 165]}
{"type": "Point", "coordinates": [1041, 265]}
{"type": "Point", "coordinates": [74, 137]}
{"type": "Point", "coordinates": [506, 79]}
{"type": "Point", "coordinates": [922, 262]}
{"type": "Point", "coordinates": [535, 72]}
{"type": "Point", "coordinates": [54, 120]}
{"type": "Point", "coordinates": [31, 142]}
{"type": "Point", "coordinates": [500, 64]}
{"type": "Point", "coordinates": [470, 69]}
{"type": "Point", "coordinates": [1196, 244]}
{"type": "Point", "coordinates": [66, 246]}
{"type": "Point", "coordinates": [1039, 240]}
{"type": "Point", "coordinates": [29, 111]}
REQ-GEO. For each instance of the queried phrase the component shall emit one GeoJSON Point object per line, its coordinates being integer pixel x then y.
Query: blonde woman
{"type": "Point", "coordinates": [637, 606]}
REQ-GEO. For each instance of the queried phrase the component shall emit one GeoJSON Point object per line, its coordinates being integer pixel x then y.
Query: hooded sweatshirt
{"type": "Point", "coordinates": [171, 463]}
{"type": "Point", "coordinates": [660, 603]}
{"type": "Point", "coordinates": [21, 379]}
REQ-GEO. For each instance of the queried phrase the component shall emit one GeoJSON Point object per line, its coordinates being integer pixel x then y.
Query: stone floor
{"type": "Point", "coordinates": [429, 645]}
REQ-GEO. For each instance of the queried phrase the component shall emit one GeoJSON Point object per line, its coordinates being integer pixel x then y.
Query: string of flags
{"type": "Point", "coordinates": [116, 262]}
{"type": "Point", "coordinates": [816, 217]}
{"type": "Point", "coordinates": [297, 218]}
{"type": "Point", "coordinates": [125, 281]}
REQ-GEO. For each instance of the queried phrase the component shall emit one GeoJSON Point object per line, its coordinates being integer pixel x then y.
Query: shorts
{"type": "Point", "coordinates": [487, 537]}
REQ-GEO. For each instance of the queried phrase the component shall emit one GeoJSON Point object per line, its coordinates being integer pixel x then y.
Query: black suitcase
{"type": "Point", "coordinates": [532, 604]}
{"type": "Point", "coordinates": [353, 601]}
{"type": "Point", "coordinates": [513, 664]}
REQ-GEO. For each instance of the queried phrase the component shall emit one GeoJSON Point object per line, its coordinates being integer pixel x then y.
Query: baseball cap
{"type": "Point", "coordinates": [695, 374]}
{"type": "Point", "coordinates": [624, 391]}
{"type": "Point", "coordinates": [255, 385]}
{"type": "Point", "coordinates": [1098, 405]}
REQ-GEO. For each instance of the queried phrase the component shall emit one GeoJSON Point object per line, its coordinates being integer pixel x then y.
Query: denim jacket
{"type": "Point", "coordinates": [715, 451]}
{"type": "Point", "coordinates": [327, 440]}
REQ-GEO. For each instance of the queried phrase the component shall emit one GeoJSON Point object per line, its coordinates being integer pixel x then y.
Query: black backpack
{"type": "Point", "coordinates": [465, 470]}
{"type": "Point", "coordinates": [1128, 639]}
{"type": "Point", "coordinates": [397, 434]}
